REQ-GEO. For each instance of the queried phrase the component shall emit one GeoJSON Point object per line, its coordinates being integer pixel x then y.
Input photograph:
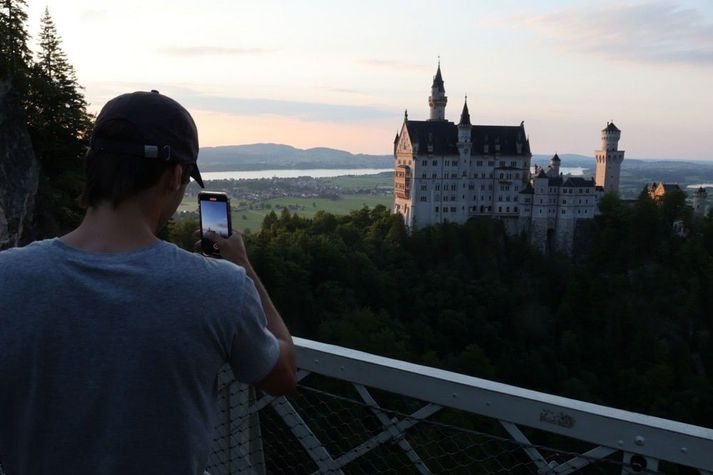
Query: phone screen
{"type": "Point", "coordinates": [214, 217]}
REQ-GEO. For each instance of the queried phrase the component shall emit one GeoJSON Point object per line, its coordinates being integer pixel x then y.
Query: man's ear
{"type": "Point", "coordinates": [174, 177]}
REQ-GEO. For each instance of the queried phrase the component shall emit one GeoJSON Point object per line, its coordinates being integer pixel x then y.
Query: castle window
{"type": "Point", "coordinates": [423, 198]}
{"type": "Point", "coordinates": [515, 209]}
{"type": "Point", "coordinates": [564, 212]}
{"type": "Point", "coordinates": [436, 209]}
{"type": "Point", "coordinates": [438, 187]}
{"type": "Point", "coordinates": [479, 163]}
{"type": "Point", "coordinates": [501, 175]}
{"type": "Point", "coordinates": [448, 163]}
{"type": "Point", "coordinates": [471, 186]}
{"type": "Point", "coordinates": [507, 198]}
{"type": "Point", "coordinates": [453, 188]}
{"type": "Point", "coordinates": [423, 175]}
{"type": "Point", "coordinates": [434, 175]}
{"type": "Point", "coordinates": [564, 202]}
{"type": "Point", "coordinates": [502, 164]}
{"type": "Point", "coordinates": [490, 164]}
{"type": "Point", "coordinates": [507, 209]}
{"type": "Point", "coordinates": [515, 199]}
{"type": "Point", "coordinates": [513, 164]}
{"type": "Point", "coordinates": [424, 163]}
{"type": "Point", "coordinates": [500, 209]}
{"type": "Point", "coordinates": [540, 210]}
{"type": "Point", "coordinates": [455, 163]}
{"type": "Point", "coordinates": [453, 209]}
{"type": "Point", "coordinates": [434, 163]}
{"type": "Point", "coordinates": [424, 187]}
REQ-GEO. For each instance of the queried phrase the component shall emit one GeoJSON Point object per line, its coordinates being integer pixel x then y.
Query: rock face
{"type": "Point", "coordinates": [19, 173]}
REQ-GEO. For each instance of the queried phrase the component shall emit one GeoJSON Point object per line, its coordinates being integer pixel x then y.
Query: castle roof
{"type": "Point", "coordinates": [443, 136]}
{"type": "Point", "coordinates": [669, 187]}
{"type": "Point", "coordinates": [578, 181]}
{"type": "Point", "coordinates": [554, 181]}
{"type": "Point", "coordinates": [438, 79]}
{"type": "Point", "coordinates": [465, 115]}
{"type": "Point", "coordinates": [556, 158]}
{"type": "Point", "coordinates": [611, 127]}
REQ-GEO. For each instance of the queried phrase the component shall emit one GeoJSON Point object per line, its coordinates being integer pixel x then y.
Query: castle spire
{"type": "Point", "coordinates": [438, 79]}
{"type": "Point", "coordinates": [465, 115]}
{"type": "Point", "coordinates": [437, 100]}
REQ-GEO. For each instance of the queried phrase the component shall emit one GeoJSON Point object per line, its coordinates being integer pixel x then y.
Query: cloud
{"type": "Point", "coordinates": [650, 32]}
{"type": "Point", "coordinates": [194, 51]}
{"type": "Point", "coordinates": [308, 111]}
{"type": "Point", "coordinates": [93, 14]}
{"type": "Point", "coordinates": [392, 64]}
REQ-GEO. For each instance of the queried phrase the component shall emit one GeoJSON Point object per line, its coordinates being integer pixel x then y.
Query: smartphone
{"type": "Point", "coordinates": [214, 210]}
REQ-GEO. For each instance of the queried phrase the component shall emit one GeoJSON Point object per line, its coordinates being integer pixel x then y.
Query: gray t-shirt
{"type": "Point", "coordinates": [109, 362]}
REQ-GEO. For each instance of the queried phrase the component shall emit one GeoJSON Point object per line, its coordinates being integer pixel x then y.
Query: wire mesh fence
{"type": "Point", "coordinates": [326, 427]}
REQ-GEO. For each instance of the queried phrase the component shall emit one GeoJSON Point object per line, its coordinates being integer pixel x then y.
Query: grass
{"type": "Point", "coordinates": [246, 218]}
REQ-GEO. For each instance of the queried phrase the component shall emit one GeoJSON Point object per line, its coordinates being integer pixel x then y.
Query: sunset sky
{"type": "Point", "coordinates": [340, 73]}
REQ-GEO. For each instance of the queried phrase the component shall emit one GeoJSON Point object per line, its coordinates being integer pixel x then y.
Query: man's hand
{"type": "Point", "coordinates": [232, 248]}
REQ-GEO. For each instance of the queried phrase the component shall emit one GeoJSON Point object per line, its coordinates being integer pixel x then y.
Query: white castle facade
{"type": "Point", "coordinates": [452, 172]}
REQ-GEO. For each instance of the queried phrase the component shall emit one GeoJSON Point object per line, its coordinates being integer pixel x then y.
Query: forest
{"type": "Point", "coordinates": [626, 324]}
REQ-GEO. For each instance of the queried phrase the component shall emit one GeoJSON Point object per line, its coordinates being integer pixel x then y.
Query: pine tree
{"type": "Point", "coordinates": [15, 56]}
{"type": "Point", "coordinates": [59, 125]}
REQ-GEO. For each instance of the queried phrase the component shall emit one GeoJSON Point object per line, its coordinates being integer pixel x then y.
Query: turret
{"type": "Point", "coordinates": [609, 159]}
{"type": "Point", "coordinates": [700, 202]}
{"type": "Point", "coordinates": [610, 137]}
{"type": "Point", "coordinates": [554, 168]}
{"type": "Point", "coordinates": [464, 134]}
{"type": "Point", "coordinates": [437, 100]}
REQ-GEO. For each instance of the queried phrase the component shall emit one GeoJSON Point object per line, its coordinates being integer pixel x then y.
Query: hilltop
{"type": "Point", "coordinates": [270, 156]}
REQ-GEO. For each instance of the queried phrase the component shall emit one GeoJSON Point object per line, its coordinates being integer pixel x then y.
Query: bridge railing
{"type": "Point", "coordinates": [355, 412]}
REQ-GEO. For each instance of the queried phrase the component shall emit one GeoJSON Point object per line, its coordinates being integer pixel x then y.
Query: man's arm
{"type": "Point", "coordinates": [283, 377]}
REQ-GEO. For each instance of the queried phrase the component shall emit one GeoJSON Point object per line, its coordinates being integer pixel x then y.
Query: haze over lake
{"type": "Point", "coordinates": [320, 173]}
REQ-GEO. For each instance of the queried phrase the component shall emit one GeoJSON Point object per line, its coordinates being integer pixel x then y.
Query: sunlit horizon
{"type": "Point", "coordinates": [341, 74]}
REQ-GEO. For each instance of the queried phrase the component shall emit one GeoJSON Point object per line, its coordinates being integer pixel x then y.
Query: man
{"type": "Point", "coordinates": [111, 339]}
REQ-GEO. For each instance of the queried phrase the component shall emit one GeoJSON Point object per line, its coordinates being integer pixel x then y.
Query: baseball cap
{"type": "Point", "coordinates": [163, 130]}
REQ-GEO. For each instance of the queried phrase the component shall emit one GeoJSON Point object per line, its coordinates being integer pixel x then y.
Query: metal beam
{"type": "Point", "coordinates": [662, 439]}
{"type": "Point", "coordinates": [315, 449]}
{"type": "Point", "coordinates": [404, 444]}
{"type": "Point", "coordinates": [577, 463]}
{"type": "Point", "coordinates": [532, 452]}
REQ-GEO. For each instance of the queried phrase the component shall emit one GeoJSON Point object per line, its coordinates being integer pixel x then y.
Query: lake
{"type": "Point", "coordinates": [322, 173]}
{"type": "Point", "coordinates": [314, 173]}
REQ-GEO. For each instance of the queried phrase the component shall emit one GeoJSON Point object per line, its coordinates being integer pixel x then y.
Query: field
{"type": "Point", "coordinates": [246, 218]}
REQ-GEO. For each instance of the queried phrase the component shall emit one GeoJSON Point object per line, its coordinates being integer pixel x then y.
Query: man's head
{"type": "Point", "coordinates": [139, 139]}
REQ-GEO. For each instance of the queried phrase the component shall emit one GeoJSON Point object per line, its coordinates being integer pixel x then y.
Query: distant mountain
{"type": "Point", "coordinates": [268, 156]}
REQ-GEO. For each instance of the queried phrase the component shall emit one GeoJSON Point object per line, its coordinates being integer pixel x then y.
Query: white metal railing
{"type": "Point", "coordinates": [629, 442]}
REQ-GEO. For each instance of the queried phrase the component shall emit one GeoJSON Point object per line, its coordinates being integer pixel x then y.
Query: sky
{"type": "Point", "coordinates": [340, 74]}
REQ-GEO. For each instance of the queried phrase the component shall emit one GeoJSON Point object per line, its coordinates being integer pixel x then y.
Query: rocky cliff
{"type": "Point", "coordinates": [19, 172]}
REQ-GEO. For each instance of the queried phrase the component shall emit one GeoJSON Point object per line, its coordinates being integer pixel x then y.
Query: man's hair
{"type": "Point", "coordinates": [116, 177]}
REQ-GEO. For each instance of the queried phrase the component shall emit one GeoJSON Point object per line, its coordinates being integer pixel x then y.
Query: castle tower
{"type": "Point", "coordinates": [554, 169]}
{"type": "Point", "coordinates": [437, 100]}
{"type": "Point", "coordinates": [700, 205]}
{"type": "Point", "coordinates": [464, 128]}
{"type": "Point", "coordinates": [609, 159]}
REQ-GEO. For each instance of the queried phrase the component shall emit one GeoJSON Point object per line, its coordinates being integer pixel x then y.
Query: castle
{"type": "Point", "coordinates": [452, 172]}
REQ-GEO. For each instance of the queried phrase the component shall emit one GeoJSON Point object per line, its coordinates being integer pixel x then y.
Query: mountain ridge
{"type": "Point", "coordinates": [275, 156]}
